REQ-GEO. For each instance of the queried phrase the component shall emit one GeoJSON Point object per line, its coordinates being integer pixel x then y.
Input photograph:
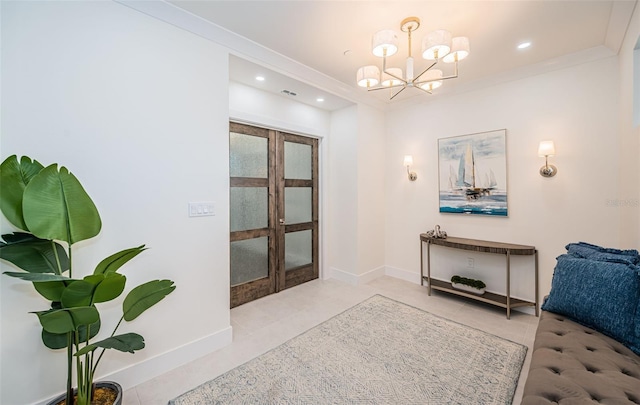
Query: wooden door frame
{"type": "Point", "coordinates": [253, 290]}
{"type": "Point", "coordinates": [308, 272]}
{"type": "Point", "coordinates": [278, 278]}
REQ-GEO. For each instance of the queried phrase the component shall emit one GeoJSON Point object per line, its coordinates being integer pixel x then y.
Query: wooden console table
{"type": "Point", "coordinates": [508, 249]}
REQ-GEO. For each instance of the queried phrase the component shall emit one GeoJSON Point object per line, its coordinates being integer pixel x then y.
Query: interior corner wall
{"type": "Point", "coordinates": [138, 110]}
{"type": "Point", "coordinates": [370, 188]}
{"type": "Point", "coordinates": [575, 107]}
{"type": "Point", "coordinates": [343, 179]}
{"type": "Point", "coordinates": [629, 178]}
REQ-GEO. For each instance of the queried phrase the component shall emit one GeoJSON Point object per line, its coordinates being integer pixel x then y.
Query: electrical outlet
{"type": "Point", "coordinates": [470, 262]}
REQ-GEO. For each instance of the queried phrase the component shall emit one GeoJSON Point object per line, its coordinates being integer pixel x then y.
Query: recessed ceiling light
{"type": "Point", "coordinates": [319, 99]}
{"type": "Point", "coordinates": [524, 45]}
{"type": "Point", "coordinates": [260, 78]}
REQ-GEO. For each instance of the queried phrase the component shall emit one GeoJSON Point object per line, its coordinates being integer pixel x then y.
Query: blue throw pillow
{"type": "Point", "coordinates": [595, 252]}
{"type": "Point", "coordinates": [601, 295]}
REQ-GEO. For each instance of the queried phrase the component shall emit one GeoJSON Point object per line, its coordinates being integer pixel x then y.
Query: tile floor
{"type": "Point", "coordinates": [266, 323]}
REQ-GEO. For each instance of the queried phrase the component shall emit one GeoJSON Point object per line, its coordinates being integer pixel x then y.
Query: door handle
{"type": "Point", "coordinates": [281, 221]}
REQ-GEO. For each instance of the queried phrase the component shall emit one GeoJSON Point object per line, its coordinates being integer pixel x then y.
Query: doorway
{"type": "Point", "coordinates": [273, 211]}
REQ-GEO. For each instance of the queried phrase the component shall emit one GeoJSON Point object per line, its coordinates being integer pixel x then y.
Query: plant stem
{"type": "Point", "coordinates": [95, 366]}
{"type": "Point", "coordinates": [69, 399]}
{"type": "Point", "coordinates": [55, 253]}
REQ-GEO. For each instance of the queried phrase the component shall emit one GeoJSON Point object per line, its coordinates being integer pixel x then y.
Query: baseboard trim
{"type": "Point", "coordinates": [402, 274]}
{"type": "Point", "coordinates": [139, 373]}
{"type": "Point", "coordinates": [356, 279]}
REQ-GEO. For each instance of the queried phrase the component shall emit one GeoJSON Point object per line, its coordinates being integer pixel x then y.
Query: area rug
{"type": "Point", "coordinates": [378, 352]}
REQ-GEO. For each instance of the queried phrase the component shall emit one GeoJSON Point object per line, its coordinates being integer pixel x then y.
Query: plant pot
{"type": "Point", "coordinates": [114, 386]}
{"type": "Point", "coordinates": [472, 290]}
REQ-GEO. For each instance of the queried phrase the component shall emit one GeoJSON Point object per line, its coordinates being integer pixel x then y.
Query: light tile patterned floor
{"type": "Point", "coordinates": [266, 323]}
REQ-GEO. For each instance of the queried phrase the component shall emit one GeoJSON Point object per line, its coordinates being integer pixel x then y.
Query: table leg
{"type": "Point", "coordinates": [508, 284]}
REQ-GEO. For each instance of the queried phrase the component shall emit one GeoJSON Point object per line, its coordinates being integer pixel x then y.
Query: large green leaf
{"type": "Point", "coordinates": [36, 277]}
{"type": "Point", "coordinates": [59, 340]}
{"type": "Point", "coordinates": [56, 206]}
{"type": "Point", "coordinates": [33, 254]}
{"type": "Point", "coordinates": [111, 286]}
{"type": "Point", "coordinates": [78, 294]}
{"type": "Point", "coordinates": [128, 342]}
{"type": "Point", "coordinates": [144, 297]}
{"type": "Point", "coordinates": [115, 261]}
{"type": "Point", "coordinates": [51, 290]}
{"type": "Point", "coordinates": [14, 177]}
{"type": "Point", "coordinates": [67, 319]}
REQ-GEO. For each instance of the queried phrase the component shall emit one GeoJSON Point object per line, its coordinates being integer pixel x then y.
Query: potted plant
{"type": "Point", "coordinates": [468, 284]}
{"type": "Point", "coordinates": [53, 212]}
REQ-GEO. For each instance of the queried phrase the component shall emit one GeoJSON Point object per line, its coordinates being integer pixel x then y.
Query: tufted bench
{"type": "Point", "coordinates": [574, 365]}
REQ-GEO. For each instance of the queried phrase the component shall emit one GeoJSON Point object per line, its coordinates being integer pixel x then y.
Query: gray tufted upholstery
{"type": "Point", "coordinates": [575, 365]}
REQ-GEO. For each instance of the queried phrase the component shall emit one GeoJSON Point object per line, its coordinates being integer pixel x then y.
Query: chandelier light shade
{"type": "Point", "coordinates": [384, 43]}
{"type": "Point", "coordinates": [392, 78]}
{"type": "Point", "coordinates": [368, 76]}
{"type": "Point", "coordinates": [433, 79]}
{"type": "Point", "coordinates": [437, 46]}
{"type": "Point", "coordinates": [459, 50]}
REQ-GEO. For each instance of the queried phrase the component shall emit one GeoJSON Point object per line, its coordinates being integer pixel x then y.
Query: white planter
{"type": "Point", "coordinates": [472, 290]}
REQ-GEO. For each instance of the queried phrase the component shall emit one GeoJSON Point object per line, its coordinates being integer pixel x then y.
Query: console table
{"type": "Point", "coordinates": [507, 249]}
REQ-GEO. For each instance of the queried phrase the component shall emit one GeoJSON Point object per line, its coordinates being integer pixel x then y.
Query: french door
{"type": "Point", "coordinates": [274, 211]}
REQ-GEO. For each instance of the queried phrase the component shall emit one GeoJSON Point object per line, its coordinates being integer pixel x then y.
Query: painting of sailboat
{"type": "Point", "coordinates": [473, 174]}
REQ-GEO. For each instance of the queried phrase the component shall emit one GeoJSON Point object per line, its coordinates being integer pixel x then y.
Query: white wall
{"type": "Point", "coordinates": [357, 205]}
{"type": "Point", "coordinates": [577, 108]}
{"type": "Point", "coordinates": [629, 210]}
{"type": "Point", "coordinates": [257, 107]}
{"type": "Point", "coordinates": [343, 180]}
{"type": "Point", "coordinates": [138, 110]}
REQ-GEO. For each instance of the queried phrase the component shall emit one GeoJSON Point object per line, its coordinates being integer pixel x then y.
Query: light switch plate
{"type": "Point", "coordinates": [202, 209]}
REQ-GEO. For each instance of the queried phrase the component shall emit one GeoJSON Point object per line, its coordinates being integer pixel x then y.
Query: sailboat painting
{"type": "Point", "coordinates": [473, 173]}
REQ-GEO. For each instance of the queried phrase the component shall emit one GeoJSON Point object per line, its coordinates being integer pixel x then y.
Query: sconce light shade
{"type": "Point", "coordinates": [408, 161]}
{"type": "Point", "coordinates": [546, 148]}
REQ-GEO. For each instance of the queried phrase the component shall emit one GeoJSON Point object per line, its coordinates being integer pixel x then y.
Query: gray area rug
{"type": "Point", "coordinates": [378, 352]}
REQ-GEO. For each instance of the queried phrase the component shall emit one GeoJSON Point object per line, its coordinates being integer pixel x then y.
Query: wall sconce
{"type": "Point", "coordinates": [408, 161]}
{"type": "Point", "coordinates": [545, 150]}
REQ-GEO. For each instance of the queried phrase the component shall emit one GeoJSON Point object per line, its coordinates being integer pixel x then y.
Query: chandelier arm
{"type": "Point", "coordinates": [453, 76]}
{"type": "Point", "coordinates": [399, 91]}
{"type": "Point", "coordinates": [395, 77]}
{"type": "Point", "coordinates": [385, 87]}
{"type": "Point", "coordinates": [425, 90]}
{"type": "Point", "coordinates": [415, 81]}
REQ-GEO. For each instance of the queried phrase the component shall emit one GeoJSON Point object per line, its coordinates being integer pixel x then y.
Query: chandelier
{"type": "Point", "coordinates": [436, 46]}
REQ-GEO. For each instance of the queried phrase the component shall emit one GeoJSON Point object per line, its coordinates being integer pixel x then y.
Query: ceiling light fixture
{"type": "Point", "coordinates": [436, 46]}
{"type": "Point", "coordinates": [524, 45]}
{"type": "Point", "coordinates": [260, 78]}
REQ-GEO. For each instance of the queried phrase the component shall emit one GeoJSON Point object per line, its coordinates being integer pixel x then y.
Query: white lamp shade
{"type": "Point", "coordinates": [459, 50]}
{"type": "Point", "coordinates": [436, 44]}
{"type": "Point", "coordinates": [384, 40]}
{"type": "Point", "coordinates": [433, 79]}
{"type": "Point", "coordinates": [368, 76]}
{"type": "Point", "coordinates": [388, 80]}
{"type": "Point", "coordinates": [408, 160]}
{"type": "Point", "coordinates": [546, 148]}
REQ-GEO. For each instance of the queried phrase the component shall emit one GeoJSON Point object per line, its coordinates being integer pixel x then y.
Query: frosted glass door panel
{"type": "Point", "coordinates": [249, 208]}
{"type": "Point", "coordinates": [248, 156]}
{"type": "Point", "coordinates": [297, 205]}
{"type": "Point", "coordinates": [297, 249]}
{"type": "Point", "coordinates": [249, 260]}
{"type": "Point", "coordinates": [297, 161]}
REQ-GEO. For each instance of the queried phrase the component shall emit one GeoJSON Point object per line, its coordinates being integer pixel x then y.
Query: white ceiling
{"type": "Point", "coordinates": [334, 37]}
